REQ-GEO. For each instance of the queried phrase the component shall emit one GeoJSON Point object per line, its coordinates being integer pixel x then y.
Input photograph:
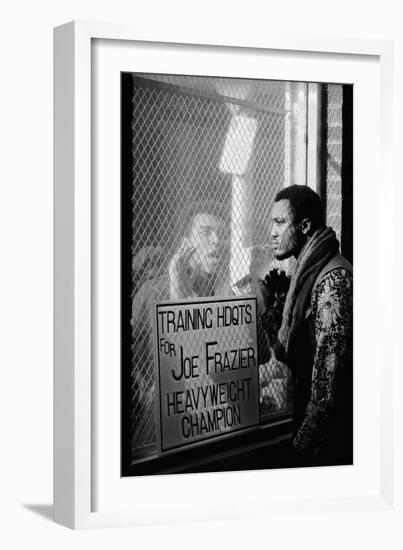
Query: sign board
{"type": "Point", "coordinates": [207, 370]}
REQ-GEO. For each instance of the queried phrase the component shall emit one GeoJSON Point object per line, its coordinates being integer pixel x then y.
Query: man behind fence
{"type": "Point", "coordinates": [195, 270]}
{"type": "Point", "coordinates": [315, 336]}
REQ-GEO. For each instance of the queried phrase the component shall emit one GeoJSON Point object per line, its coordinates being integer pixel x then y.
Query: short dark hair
{"type": "Point", "coordinates": [304, 203]}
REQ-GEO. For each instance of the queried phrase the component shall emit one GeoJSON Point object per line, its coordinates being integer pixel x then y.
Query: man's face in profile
{"type": "Point", "coordinates": [285, 235]}
{"type": "Point", "coordinates": [204, 238]}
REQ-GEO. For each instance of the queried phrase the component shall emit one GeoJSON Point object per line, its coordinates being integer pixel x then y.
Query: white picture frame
{"type": "Point", "coordinates": [88, 490]}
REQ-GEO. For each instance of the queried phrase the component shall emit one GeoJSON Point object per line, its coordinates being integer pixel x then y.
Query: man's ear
{"type": "Point", "coordinates": [306, 225]}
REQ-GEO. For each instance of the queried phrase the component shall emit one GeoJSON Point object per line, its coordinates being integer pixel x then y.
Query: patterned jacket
{"type": "Point", "coordinates": [323, 371]}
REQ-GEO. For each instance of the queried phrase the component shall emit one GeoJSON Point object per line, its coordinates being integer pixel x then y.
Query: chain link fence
{"type": "Point", "coordinates": [213, 147]}
{"type": "Point", "coordinates": [333, 94]}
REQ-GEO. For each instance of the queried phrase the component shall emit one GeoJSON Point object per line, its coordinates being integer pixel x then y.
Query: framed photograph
{"type": "Point", "coordinates": [212, 206]}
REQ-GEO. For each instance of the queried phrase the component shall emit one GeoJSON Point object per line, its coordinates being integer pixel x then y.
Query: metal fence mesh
{"type": "Point", "coordinates": [334, 146]}
{"type": "Point", "coordinates": [201, 145]}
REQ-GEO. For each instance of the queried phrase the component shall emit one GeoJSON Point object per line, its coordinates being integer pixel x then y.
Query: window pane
{"type": "Point", "coordinates": [209, 156]}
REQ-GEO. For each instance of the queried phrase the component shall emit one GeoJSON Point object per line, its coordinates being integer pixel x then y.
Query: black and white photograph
{"type": "Point", "coordinates": [236, 275]}
{"type": "Point", "coordinates": [201, 286]}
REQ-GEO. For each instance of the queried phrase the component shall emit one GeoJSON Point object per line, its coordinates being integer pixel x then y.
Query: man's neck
{"type": "Point", "coordinates": [204, 285]}
{"type": "Point", "coordinates": [303, 245]}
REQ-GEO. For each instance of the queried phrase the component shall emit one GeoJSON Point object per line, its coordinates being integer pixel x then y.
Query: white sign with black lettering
{"type": "Point", "coordinates": [208, 381]}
